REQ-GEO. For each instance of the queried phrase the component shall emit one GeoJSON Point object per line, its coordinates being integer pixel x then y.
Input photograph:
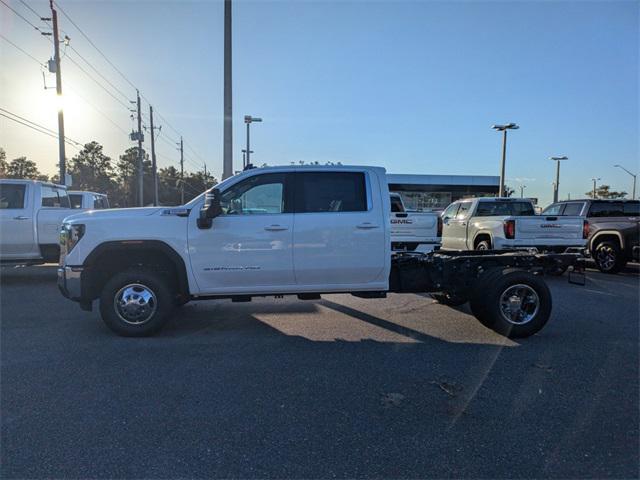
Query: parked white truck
{"type": "Point", "coordinates": [488, 223]}
{"type": "Point", "coordinates": [413, 231]}
{"type": "Point", "coordinates": [301, 231]}
{"type": "Point", "coordinates": [88, 200]}
{"type": "Point", "coordinates": [31, 213]}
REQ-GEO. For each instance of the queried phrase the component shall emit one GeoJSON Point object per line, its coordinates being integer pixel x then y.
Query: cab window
{"type": "Point", "coordinates": [606, 209]}
{"type": "Point", "coordinates": [257, 195]}
{"type": "Point", "coordinates": [76, 200]}
{"type": "Point", "coordinates": [318, 192]}
{"type": "Point", "coordinates": [451, 210]}
{"type": "Point", "coordinates": [12, 196]}
{"type": "Point", "coordinates": [553, 209]}
{"type": "Point", "coordinates": [463, 211]}
{"type": "Point", "coordinates": [632, 209]}
{"type": "Point", "coordinates": [574, 208]}
{"type": "Point", "coordinates": [55, 197]}
{"type": "Point", "coordinates": [396, 204]}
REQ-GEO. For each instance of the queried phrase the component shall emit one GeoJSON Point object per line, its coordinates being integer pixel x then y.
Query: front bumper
{"type": "Point", "coordinates": [69, 282]}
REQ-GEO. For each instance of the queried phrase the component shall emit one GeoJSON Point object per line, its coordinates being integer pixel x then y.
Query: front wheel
{"type": "Point", "coordinates": [136, 303]}
{"type": "Point", "coordinates": [514, 303]}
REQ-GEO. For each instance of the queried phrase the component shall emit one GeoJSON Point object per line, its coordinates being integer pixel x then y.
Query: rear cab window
{"type": "Point", "coordinates": [573, 208]}
{"type": "Point", "coordinates": [396, 204]}
{"type": "Point", "coordinates": [632, 209]}
{"type": "Point", "coordinates": [554, 209]}
{"type": "Point", "coordinates": [12, 196]}
{"type": "Point", "coordinates": [317, 192]}
{"type": "Point", "coordinates": [504, 208]}
{"type": "Point", "coordinates": [76, 200]}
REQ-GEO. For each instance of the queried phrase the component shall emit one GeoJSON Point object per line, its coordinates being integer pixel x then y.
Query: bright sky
{"type": "Point", "coordinates": [413, 86]}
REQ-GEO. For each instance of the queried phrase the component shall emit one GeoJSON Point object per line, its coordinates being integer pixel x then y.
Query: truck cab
{"type": "Point", "coordinates": [81, 200]}
{"type": "Point", "coordinates": [31, 213]}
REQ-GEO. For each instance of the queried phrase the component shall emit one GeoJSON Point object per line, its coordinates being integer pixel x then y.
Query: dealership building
{"type": "Point", "coordinates": [435, 192]}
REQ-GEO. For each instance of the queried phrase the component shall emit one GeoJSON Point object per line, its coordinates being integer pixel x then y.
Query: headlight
{"type": "Point", "coordinates": [71, 235]}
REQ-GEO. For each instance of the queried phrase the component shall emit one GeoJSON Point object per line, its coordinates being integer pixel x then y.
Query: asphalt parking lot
{"type": "Point", "coordinates": [341, 387]}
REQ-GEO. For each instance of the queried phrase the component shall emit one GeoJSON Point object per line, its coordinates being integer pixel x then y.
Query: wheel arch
{"type": "Point", "coordinates": [113, 256]}
{"type": "Point", "coordinates": [604, 235]}
{"type": "Point", "coordinates": [482, 235]}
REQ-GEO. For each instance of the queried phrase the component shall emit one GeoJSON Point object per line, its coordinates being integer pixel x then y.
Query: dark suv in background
{"type": "Point", "coordinates": [614, 229]}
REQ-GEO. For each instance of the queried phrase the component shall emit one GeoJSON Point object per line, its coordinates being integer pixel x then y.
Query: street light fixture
{"type": "Point", "coordinates": [594, 180]}
{"type": "Point", "coordinates": [634, 175]}
{"type": "Point", "coordinates": [248, 119]}
{"type": "Point", "coordinates": [557, 182]}
{"type": "Point", "coordinates": [504, 128]}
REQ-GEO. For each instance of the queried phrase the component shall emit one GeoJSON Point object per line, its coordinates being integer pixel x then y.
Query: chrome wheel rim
{"type": "Point", "coordinates": [135, 304]}
{"type": "Point", "coordinates": [606, 257]}
{"type": "Point", "coordinates": [519, 304]}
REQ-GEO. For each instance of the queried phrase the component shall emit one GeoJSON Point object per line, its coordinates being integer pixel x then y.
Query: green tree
{"type": "Point", "coordinates": [127, 178]}
{"type": "Point", "coordinates": [22, 168]}
{"type": "Point", "coordinates": [92, 170]}
{"type": "Point", "coordinates": [3, 163]}
{"type": "Point", "coordinates": [604, 191]}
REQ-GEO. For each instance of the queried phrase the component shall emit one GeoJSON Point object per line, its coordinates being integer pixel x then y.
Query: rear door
{"type": "Point", "coordinates": [17, 232]}
{"type": "Point", "coordinates": [340, 238]}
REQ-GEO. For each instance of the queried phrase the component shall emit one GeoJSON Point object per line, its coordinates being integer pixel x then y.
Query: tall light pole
{"type": "Point", "coordinates": [522, 187]}
{"type": "Point", "coordinates": [594, 180]}
{"type": "Point", "coordinates": [634, 175]}
{"type": "Point", "coordinates": [227, 143]}
{"type": "Point", "coordinates": [503, 129]}
{"type": "Point", "coordinates": [557, 182]}
{"type": "Point", "coordinates": [248, 119]}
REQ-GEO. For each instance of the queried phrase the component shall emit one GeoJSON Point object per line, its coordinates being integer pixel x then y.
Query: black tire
{"type": "Point", "coordinates": [503, 286]}
{"type": "Point", "coordinates": [148, 291]}
{"type": "Point", "coordinates": [449, 299]}
{"type": "Point", "coordinates": [483, 245]}
{"type": "Point", "coordinates": [609, 257]}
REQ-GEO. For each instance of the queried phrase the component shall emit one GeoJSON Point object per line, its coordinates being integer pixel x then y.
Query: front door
{"type": "Point", "coordinates": [249, 247]}
{"type": "Point", "coordinates": [449, 233]}
{"type": "Point", "coordinates": [17, 233]}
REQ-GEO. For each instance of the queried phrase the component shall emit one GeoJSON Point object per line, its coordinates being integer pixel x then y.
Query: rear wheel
{"type": "Point", "coordinates": [483, 245]}
{"type": "Point", "coordinates": [609, 257]}
{"type": "Point", "coordinates": [514, 303]}
{"type": "Point", "coordinates": [136, 303]}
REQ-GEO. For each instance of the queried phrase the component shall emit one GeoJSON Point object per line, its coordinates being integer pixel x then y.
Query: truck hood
{"type": "Point", "coordinates": [113, 214]}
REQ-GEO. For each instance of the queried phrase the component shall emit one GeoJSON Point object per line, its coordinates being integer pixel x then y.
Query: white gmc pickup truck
{"type": "Point", "coordinates": [413, 231]}
{"type": "Point", "coordinates": [509, 223]}
{"type": "Point", "coordinates": [31, 213]}
{"type": "Point", "coordinates": [301, 231]}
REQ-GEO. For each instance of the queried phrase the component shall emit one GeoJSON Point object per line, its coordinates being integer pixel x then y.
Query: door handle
{"type": "Point", "coordinates": [275, 228]}
{"type": "Point", "coordinates": [21, 217]}
{"type": "Point", "coordinates": [463, 223]}
{"type": "Point", "coordinates": [366, 226]}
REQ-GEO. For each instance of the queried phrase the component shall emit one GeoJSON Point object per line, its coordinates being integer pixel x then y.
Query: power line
{"type": "Point", "coordinates": [21, 50]}
{"type": "Point", "coordinates": [37, 125]}
{"type": "Point", "coordinates": [19, 15]}
{"type": "Point", "coordinates": [100, 74]}
{"type": "Point", "coordinates": [38, 128]}
{"type": "Point", "coordinates": [94, 45]}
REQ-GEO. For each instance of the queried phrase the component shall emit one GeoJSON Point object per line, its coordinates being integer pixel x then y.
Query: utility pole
{"type": "Point", "coordinates": [522, 187]}
{"type": "Point", "coordinates": [154, 165]}
{"type": "Point", "coordinates": [556, 185]}
{"type": "Point", "coordinates": [140, 164]}
{"type": "Point", "coordinates": [56, 49]}
{"type": "Point", "coordinates": [227, 148]}
{"type": "Point", "coordinates": [594, 194]}
{"type": "Point", "coordinates": [181, 172]}
{"type": "Point", "coordinates": [205, 176]}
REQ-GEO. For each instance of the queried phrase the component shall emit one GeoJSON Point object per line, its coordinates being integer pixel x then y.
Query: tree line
{"type": "Point", "coordinates": [92, 170]}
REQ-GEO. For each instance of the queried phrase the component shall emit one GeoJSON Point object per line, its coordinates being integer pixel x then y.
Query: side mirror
{"type": "Point", "coordinates": [210, 210]}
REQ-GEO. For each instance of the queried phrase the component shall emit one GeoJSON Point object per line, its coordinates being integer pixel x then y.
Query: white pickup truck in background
{"type": "Point", "coordinates": [31, 213]}
{"type": "Point", "coordinates": [413, 231]}
{"type": "Point", "coordinates": [488, 223]}
{"type": "Point", "coordinates": [88, 200]}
